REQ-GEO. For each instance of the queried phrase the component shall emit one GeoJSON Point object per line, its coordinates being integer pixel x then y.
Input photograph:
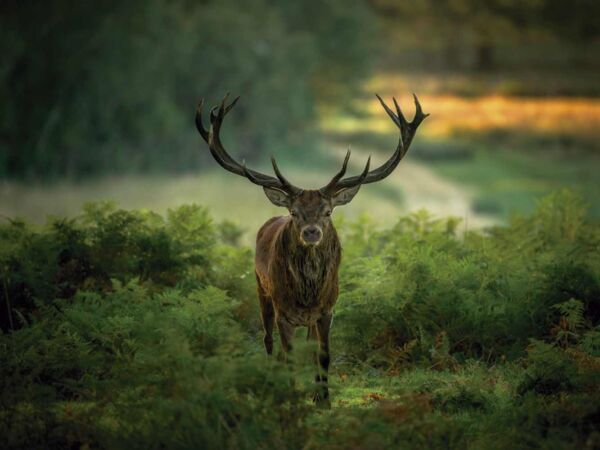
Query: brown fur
{"type": "Point", "coordinates": [301, 281]}
{"type": "Point", "coordinates": [298, 283]}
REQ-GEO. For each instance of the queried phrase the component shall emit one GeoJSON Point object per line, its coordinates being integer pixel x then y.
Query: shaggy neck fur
{"type": "Point", "coordinates": [309, 267]}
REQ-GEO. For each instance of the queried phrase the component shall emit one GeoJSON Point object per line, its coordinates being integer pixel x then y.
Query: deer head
{"type": "Point", "coordinates": [310, 210]}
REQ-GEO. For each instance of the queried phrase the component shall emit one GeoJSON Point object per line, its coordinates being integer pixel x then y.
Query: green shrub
{"type": "Point", "coordinates": [132, 369]}
{"type": "Point", "coordinates": [130, 330]}
{"type": "Point", "coordinates": [421, 291]}
{"type": "Point", "coordinates": [103, 244]}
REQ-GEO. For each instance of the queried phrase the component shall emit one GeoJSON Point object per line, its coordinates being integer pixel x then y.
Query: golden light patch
{"type": "Point", "coordinates": [451, 113]}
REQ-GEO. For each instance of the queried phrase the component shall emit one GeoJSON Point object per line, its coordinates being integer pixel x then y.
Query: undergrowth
{"type": "Point", "coordinates": [124, 329]}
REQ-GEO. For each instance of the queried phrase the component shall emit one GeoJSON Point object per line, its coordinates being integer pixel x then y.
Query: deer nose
{"type": "Point", "coordinates": [311, 234]}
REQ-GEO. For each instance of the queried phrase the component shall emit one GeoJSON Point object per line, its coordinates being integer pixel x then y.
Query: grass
{"type": "Point", "coordinates": [472, 386]}
{"type": "Point", "coordinates": [509, 182]}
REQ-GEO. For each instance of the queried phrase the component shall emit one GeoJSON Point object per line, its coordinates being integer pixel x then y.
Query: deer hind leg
{"type": "Point", "coordinates": [322, 328]}
{"type": "Point", "coordinates": [267, 315]}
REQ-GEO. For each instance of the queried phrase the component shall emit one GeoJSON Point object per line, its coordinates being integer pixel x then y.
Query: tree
{"type": "Point", "coordinates": [453, 26]}
{"type": "Point", "coordinates": [91, 87]}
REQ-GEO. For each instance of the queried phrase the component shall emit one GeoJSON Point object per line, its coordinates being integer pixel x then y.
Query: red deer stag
{"type": "Point", "coordinates": [298, 256]}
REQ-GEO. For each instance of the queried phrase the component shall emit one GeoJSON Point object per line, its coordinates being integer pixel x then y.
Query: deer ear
{"type": "Point", "coordinates": [344, 196]}
{"type": "Point", "coordinates": [277, 197]}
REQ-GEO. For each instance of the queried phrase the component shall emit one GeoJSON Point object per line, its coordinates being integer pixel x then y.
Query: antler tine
{"type": "Point", "coordinates": [334, 187]}
{"type": "Point", "coordinates": [249, 174]}
{"type": "Point", "coordinates": [283, 180]}
{"type": "Point", "coordinates": [407, 133]}
{"type": "Point", "coordinates": [390, 113]}
{"type": "Point", "coordinates": [232, 104]}
{"type": "Point", "coordinates": [223, 108]}
{"type": "Point", "coordinates": [399, 112]}
{"type": "Point", "coordinates": [217, 150]}
{"type": "Point", "coordinates": [338, 176]}
{"type": "Point", "coordinates": [365, 172]}
{"type": "Point", "coordinates": [419, 115]}
{"type": "Point", "coordinates": [401, 118]}
{"type": "Point", "coordinates": [199, 124]}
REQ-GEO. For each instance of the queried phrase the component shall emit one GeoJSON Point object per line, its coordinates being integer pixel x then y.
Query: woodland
{"type": "Point", "coordinates": [469, 308]}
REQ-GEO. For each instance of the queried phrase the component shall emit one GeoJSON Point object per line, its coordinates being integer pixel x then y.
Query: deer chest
{"type": "Point", "coordinates": [305, 296]}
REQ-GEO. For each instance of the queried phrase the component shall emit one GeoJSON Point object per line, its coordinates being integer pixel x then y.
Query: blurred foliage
{"type": "Point", "coordinates": [105, 245]}
{"type": "Point", "coordinates": [112, 86]}
{"type": "Point", "coordinates": [455, 34]}
{"type": "Point", "coordinates": [124, 329]}
{"type": "Point", "coordinates": [508, 181]}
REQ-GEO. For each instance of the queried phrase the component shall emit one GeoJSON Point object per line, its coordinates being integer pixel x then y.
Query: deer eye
{"type": "Point", "coordinates": [293, 213]}
{"type": "Point", "coordinates": [328, 213]}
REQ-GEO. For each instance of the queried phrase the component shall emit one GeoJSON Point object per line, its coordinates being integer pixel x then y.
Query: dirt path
{"type": "Point", "coordinates": [422, 188]}
{"type": "Point", "coordinates": [411, 187]}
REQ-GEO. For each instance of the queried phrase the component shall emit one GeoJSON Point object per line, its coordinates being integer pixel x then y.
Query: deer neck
{"type": "Point", "coordinates": [309, 267]}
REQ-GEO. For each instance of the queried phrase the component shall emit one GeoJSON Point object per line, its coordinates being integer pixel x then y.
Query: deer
{"type": "Point", "coordinates": [298, 255]}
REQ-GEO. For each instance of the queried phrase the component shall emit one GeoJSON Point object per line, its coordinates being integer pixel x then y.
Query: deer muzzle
{"type": "Point", "coordinates": [311, 235]}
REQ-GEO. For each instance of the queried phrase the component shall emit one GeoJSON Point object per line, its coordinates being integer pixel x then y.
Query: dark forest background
{"type": "Point", "coordinates": [90, 88]}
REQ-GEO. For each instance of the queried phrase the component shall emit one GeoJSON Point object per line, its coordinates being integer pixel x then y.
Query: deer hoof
{"type": "Point", "coordinates": [321, 399]}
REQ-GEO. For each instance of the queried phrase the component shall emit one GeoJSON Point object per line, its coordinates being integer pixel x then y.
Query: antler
{"type": "Point", "coordinates": [212, 138]}
{"type": "Point", "coordinates": [407, 133]}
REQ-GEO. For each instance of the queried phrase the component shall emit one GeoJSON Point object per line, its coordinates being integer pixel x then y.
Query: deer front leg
{"type": "Point", "coordinates": [311, 336]}
{"type": "Point", "coordinates": [267, 315]}
{"type": "Point", "coordinates": [286, 332]}
{"type": "Point", "coordinates": [323, 326]}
